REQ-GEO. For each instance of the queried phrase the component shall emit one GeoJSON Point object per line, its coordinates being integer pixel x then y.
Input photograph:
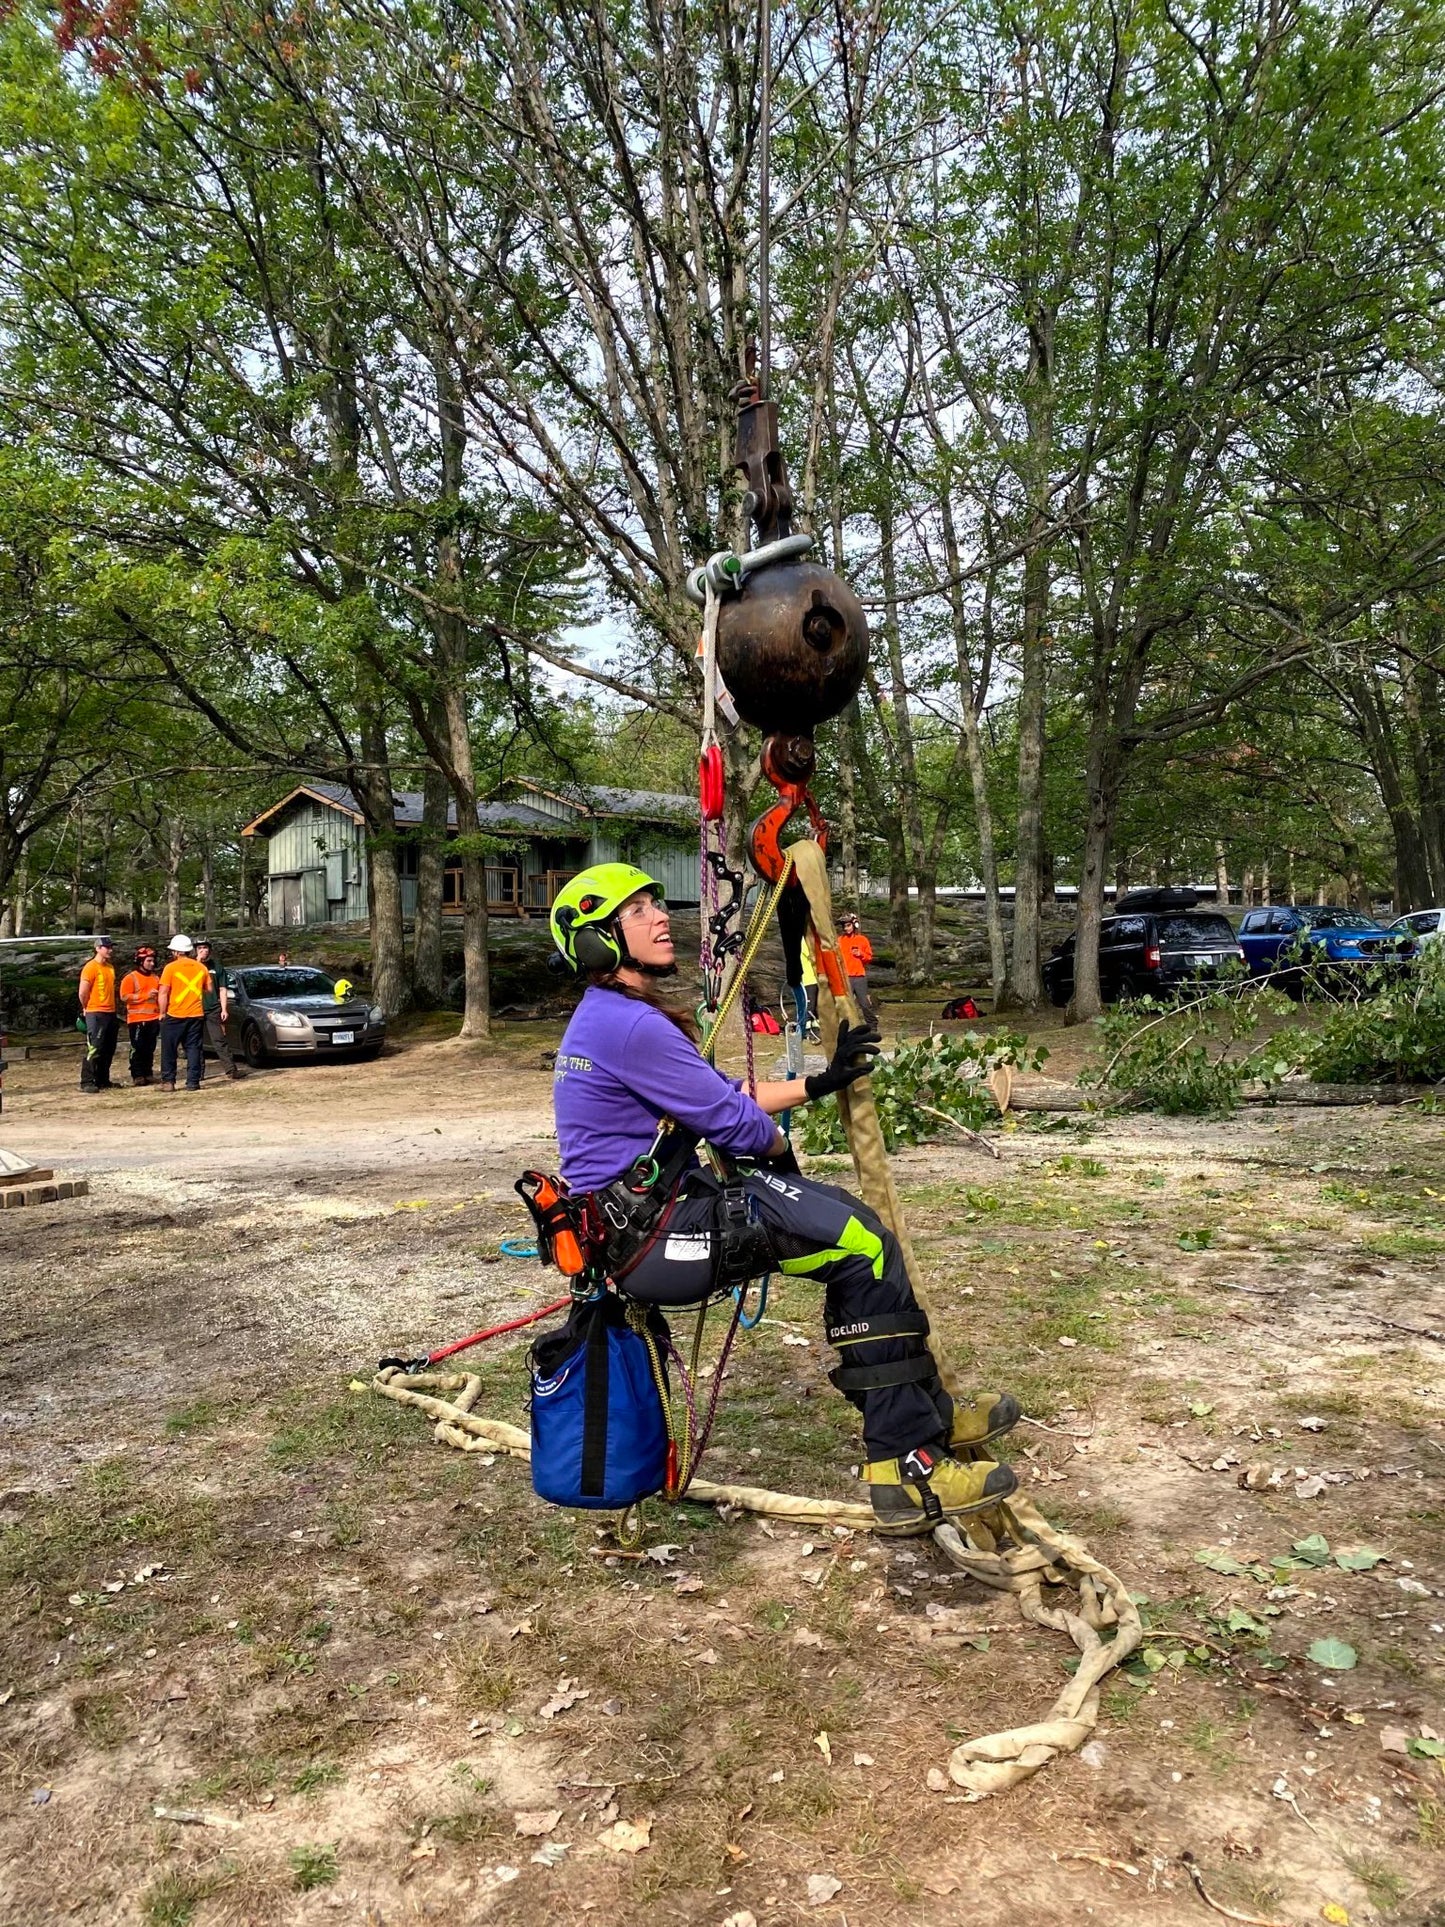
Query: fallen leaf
{"type": "Point", "coordinates": [707, 1657]}
{"type": "Point", "coordinates": [1428, 1748]}
{"type": "Point", "coordinates": [628, 1836]}
{"type": "Point", "coordinates": [532, 1825]}
{"type": "Point", "coordinates": [936, 1780]}
{"type": "Point", "coordinates": [1201, 1408]}
{"type": "Point", "coordinates": [804, 1636]}
{"type": "Point", "coordinates": [824, 1746]}
{"type": "Point", "coordinates": [821, 1888]}
{"type": "Point", "coordinates": [1361, 1559]}
{"type": "Point", "coordinates": [1314, 1551]}
{"type": "Point", "coordinates": [1333, 1912]}
{"type": "Point", "coordinates": [1335, 1654]}
{"type": "Point", "coordinates": [687, 1582]}
{"type": "Point", "coordinates": [551, 1854]}
{"type": "Point", "coordinates": [1224, 1461]}
{"type": "Point", "coordinates": [1310, 1488]}
{"type": "Point", "coordinates": [743, 1919]}
{"type": "Point", "coordinates": [662, 1555]}
{"type": "Point", "coordinates": [1068, 1341]}
{"type": "Point", "coordinates": [567, 1695]}
{"type": "Point", "coordinates": [863, 1759]}
{"type": "Point", "coordinates": [1312, 1424]}
{"type": "Point", "coordinates": [794, 1338]}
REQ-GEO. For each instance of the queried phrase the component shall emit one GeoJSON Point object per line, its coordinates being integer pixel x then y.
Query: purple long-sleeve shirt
{"type": "Point", "coordinates": [621, 1067]}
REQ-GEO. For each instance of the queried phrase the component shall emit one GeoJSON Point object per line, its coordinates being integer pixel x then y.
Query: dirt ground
{"type": "Point", "coordinates": [400, 1689]}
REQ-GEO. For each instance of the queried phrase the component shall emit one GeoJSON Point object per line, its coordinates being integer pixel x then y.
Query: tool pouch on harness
{"type": "Point", "coordinates": [599, 1432]}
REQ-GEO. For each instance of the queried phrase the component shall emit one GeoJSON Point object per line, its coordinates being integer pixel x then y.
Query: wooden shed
{"type": "Point", "coordinates": [316, 847]}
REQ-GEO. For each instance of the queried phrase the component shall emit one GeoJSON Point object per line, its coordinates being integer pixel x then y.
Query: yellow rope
{"type": "Point", "coordinates": [1016, 1551]}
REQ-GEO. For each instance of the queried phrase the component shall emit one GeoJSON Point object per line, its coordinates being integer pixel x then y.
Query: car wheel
{"type": "Point", "coordinates": [371, 1053]}
{"type": "Point", "coordinates": [254, 1046]}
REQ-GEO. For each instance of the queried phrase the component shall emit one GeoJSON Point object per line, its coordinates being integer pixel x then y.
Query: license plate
{"type": "Point", "coordinates": [343, 1037]}
{"type": "Point", "coordinates": [1204, 960]}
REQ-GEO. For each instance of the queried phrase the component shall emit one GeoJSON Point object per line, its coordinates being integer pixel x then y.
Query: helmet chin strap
{"type": "Point", "coordinates": [631, 963]}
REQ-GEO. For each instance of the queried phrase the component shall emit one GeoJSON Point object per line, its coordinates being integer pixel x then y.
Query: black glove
{"type": "Point", "coordinates": [853, 1054]}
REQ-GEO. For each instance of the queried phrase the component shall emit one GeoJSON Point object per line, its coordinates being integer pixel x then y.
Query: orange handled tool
{"type": "Point", "coordinates": [557, 1239]}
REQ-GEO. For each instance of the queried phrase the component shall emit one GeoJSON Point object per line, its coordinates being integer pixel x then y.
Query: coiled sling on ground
{"type": "Point", "coordinates": [1012, 1549]}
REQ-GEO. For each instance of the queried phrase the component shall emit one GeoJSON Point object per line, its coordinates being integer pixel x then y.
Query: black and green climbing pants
{"type": "Point", "coordinates": [817, 1231]}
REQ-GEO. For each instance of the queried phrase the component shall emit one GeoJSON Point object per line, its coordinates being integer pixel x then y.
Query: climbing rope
{"type": "Point", "coordinates": [1012, 1549]}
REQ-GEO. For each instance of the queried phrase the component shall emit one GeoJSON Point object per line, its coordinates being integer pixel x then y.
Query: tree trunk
{"type": "Point", "coordinates": [1025, 990]}
{"type": "Point", "coordinates": [76, 867]}
{"type": "Point", "coordinates": [453, 652]}
{"type": "Point", "coordinates": [1103, 777]}
{"type": "Point", "coordinates": [972, 695]}
{"type": "Point", "coordinates": [891, 824]}
{"type": "Point", "coordinates": [175, 850]}
{"type": "Point", "coordinates": [847, 807]}
{"type": "Point", "coordinates": [1289, 886]}
{"type": "Point", "coordinates": [208, 883]}
{"type": "Point", "coordinates": [1246, 890]}
{"type": "Point", "coordinates": [1264, 895]}
{"type": "Point", "coordinates": [426, 968]}
{"type": "Point", "coordinates": [1221, 874]}
{"type": "Point", "coordinates": [905, 779]}
{"type": "Point", "coordinates": [371, 783]}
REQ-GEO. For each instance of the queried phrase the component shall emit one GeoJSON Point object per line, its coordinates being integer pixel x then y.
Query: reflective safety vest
{"type": "Point", "coordinates": [140, 993]}
{"type": "Point", "coordinates": [97, 986]}
{"type": "Point", "coordinates": [187, 982]}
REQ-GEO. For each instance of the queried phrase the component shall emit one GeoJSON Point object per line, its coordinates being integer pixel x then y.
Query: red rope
{"type": "Point", "coordinates": [495, 1331]}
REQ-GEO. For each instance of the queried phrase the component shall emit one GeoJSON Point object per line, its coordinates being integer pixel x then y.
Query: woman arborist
{"type": "Point", "coordinates": [634, 1095]}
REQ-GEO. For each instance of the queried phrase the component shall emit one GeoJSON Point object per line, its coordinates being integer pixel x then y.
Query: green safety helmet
{"type": "Point", "coordinates": [584, 908]}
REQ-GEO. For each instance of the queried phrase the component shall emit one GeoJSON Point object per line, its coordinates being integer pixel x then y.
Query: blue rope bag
{"type": "Point", "coordinates": [599, 1433]}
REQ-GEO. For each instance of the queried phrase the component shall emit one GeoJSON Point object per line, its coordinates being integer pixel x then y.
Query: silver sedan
{"type": "Point", "coordinates": [291, 1010]}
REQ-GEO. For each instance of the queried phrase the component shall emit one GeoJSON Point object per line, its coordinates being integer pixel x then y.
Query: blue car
{"type": "Point", "coordinates": [1281, 941]}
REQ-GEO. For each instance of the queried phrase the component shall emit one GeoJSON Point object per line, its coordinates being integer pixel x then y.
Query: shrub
{"type": "Point", "coordinates": [1396, 1038]}
{"type": "Point", "coordinates": [1192, 1058]}
{"type": "Point", "coordinates": [921, 1086]}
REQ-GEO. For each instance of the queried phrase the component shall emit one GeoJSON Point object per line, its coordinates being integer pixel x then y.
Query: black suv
{"type": "Point", "coordinates": [1156, 941]}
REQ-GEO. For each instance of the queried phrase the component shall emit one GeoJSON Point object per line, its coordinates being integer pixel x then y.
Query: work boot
{"type": "Point", "coordinates": [926, 1488]}
{"type": "Point", "coordinates": [167, 1087]}
{"type": "Point", "coordinates": [983, 1417]}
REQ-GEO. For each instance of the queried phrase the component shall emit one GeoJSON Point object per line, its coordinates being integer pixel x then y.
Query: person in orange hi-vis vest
{"type": "Point", "coordinates": [184, 984]}
{"type": "Point", "coordinates": [857, 954]}
{"type": "Point", "coordinates": [140, 992]}
{"type": "Point", "coordinates": [97, 1007]}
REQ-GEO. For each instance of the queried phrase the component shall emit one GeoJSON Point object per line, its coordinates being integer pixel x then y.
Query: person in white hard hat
{"type": "Point", "coordinates": [184, 984]}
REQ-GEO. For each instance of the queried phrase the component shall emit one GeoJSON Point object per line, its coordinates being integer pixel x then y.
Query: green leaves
{"type": "Point", "coordinates": [923, 1086]}
{"type": "Point", "coordinates": [1334, 1654]}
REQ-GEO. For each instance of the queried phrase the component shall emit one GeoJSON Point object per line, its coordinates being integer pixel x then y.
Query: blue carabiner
{"type": "Point", "coordinates": [518, 1247]}
{"type": "Point", "coordinates": [750, 1324]}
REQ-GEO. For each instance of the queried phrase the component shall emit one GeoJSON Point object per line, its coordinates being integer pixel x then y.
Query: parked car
{"type": "Point", "coordinates": [1425, 926]}
{"type": "Point", "coordinates": [1156, 942]}
{"type": "Point", "coordinates": [1344, 942]}
{"type": "Point", "coordinates": [290, 1010]}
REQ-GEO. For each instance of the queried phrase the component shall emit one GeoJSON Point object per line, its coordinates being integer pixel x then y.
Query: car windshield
{"type": "Point", "coordinates": [286, 983]}
{"type": "Point", "coordinates": [1178, 933]}
{"type": "Point", "coordinates": [1328, 919]}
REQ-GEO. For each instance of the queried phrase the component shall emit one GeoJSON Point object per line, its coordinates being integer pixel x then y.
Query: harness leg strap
{"type": "Point", "coordinates": [918, 1370]}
